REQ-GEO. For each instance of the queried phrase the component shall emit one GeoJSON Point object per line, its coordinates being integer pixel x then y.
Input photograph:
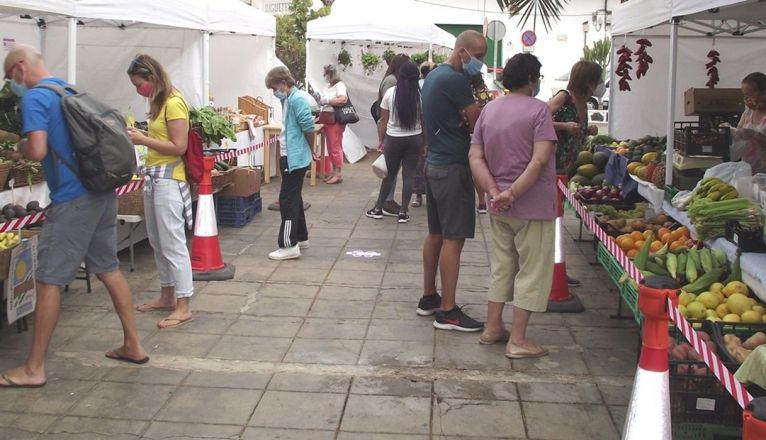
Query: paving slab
{"type": "Point", "coordinates": [280, 409]}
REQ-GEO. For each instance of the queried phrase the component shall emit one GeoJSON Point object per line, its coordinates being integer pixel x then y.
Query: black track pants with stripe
{"type": "Point", "coordinates": [293, 227]}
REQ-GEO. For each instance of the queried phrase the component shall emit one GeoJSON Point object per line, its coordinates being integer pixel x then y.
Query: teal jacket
{"type": "Point", "coordinates": [298, 122]}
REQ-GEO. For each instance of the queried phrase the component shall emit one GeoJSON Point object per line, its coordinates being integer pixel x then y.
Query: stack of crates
{"type": "Point", "coordinates": [237, 211]}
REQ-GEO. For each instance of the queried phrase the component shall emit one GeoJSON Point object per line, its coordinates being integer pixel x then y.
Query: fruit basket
{"type": "Point", "coordinates": [25, 174]}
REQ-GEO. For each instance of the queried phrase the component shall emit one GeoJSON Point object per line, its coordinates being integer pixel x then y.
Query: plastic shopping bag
{"type": "Point", "coordinates": [379, 167]}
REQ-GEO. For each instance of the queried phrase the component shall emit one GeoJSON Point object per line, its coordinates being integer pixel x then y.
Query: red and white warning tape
{"type": "Point", "coordinates": [131, 186]}
{"type": "Point", "coordinates": [736, 389]}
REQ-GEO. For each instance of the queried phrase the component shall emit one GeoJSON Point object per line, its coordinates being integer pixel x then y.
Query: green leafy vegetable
{"type": "Point", "coordinates": [214, 126]}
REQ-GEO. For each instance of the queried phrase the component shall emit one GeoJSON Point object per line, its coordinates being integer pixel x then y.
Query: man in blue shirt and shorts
{"type": "Point", "coordinates": [449, 114]}
{"type": "Point", "coordinates": [79, 225]}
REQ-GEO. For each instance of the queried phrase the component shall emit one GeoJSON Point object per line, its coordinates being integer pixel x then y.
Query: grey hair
{"type": "Point", "coordinates": [332, 71]}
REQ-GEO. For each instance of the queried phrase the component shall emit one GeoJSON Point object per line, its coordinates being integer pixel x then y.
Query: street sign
{"type": "Point", "coordinates": [528, 38]}
{"type": "Point", "coordinates": [496, 30]}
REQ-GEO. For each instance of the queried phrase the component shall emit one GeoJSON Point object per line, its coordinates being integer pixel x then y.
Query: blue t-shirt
{"type": "Point", "coordinates": [41, 111]}
{"type": "Point", "coordinates": [445, 94]}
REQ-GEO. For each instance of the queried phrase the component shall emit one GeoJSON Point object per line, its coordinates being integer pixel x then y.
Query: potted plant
{"type": "Point", "coordinates": [370, 62]}
{"type": "Point", "coordinates": [344, 59]}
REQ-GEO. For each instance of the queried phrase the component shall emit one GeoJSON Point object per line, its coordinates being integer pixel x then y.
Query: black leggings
{"type": "Point", "coordinates": [400, 152]}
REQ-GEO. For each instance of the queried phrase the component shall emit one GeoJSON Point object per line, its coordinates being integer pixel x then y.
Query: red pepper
{"type": "Point", "coordinates": [712, 70]}
{"type": "Point", "coordinates": [642, 58]}
{"type": "Point", "coordinates": [623, 67]}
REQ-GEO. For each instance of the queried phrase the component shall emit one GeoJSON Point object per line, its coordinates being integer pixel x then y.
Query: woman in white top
{"type": "Point", "coordinates": [401, 137]}
{"type": "Point", "coordinates": [750, 136]}
{"type": "Point", "coordinates": [334, 95]}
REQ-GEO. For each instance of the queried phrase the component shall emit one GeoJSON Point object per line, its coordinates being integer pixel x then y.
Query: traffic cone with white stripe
{"type": "Point", "coordinates": [560, 299]}
{"type": "Point", "coordinates": [649, 411]}
{"type": "Point", "coordinates": [207, 264]}
{"type": "Point", "coordinates": [754, 420]}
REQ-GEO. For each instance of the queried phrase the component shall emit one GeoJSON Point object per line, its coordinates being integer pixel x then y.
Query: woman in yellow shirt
{"type": "Point", "coordinates": [167, 196]}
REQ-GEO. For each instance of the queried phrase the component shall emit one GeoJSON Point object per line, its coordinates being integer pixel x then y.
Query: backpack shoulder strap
{"type": "Point", "coordinates": [60, 90]}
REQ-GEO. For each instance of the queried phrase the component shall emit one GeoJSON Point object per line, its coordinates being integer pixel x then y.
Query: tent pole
{"type": "Point", "coordinates": [430, 53]}
{"type": "Point", "coordinates": [306, 86]}
{"type": "Point", "coordinates": [612, 93]}
{"type": "Point", "coordinates": [671, 100]}
{"type": "Point", "coordinates": [206, 98]}
{"type": "Point", "coordinates": [71, 67]}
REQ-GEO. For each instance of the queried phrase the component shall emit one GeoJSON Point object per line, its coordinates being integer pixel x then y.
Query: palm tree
{"type": "Point", "coordinates": [328, 2]}
{"type": "Point", "coordinates": [548, 10]}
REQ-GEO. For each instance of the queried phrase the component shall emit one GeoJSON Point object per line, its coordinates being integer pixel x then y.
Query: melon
{"type": "Point", "coordinates": [581, 180]}
{"type": "Point", "coordinates": [587, 170]}
{"type": "Point", "coordinates": [598, 179]}
{"type": "Point", "coordinates": [584, 157]}
{"type": "Point", "coordinates": [600, 159]}
{"type": "Point", "coordinates": [632, 167]}
{"type": "Point", "coordinates": [648, 158]}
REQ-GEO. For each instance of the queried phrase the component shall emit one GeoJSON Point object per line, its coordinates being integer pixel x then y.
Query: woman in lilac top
{"type": "Point", "coordinates": [512, 158]}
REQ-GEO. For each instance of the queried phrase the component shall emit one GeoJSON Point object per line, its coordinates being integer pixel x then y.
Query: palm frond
{"type": "Point", "coordinates": [549, 11]}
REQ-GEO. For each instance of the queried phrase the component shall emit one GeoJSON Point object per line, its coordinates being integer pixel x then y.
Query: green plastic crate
{"type": "Point", "coordinates": [627, 290]}
{"type": "Point", "coordinates": [703, 431]}
{"type": "Point", "coordinates": [670, 192]}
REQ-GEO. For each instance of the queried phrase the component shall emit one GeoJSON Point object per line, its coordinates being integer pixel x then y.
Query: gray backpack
{"type": "Point", "coordinates": [105, 154]}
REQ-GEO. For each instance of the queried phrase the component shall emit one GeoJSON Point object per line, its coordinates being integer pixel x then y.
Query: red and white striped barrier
{"type": "Point", "coordinates": [736, 389]}
{"type": "Point", "coordinates": [131, 186]}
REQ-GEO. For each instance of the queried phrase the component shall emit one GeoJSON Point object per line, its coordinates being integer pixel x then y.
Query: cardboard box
{"type": "Point", "coordinates": [246, 182]}
{"type": "Point", "coordinates": [711, 101]}
{"type": "Point", "coordinates": [5, 254]}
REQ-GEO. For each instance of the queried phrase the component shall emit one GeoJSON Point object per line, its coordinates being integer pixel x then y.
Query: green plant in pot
{"type": "Point", "coordinates": [388, 55]}
{"type": "Point", "coordinates": [370, 62]}
{"type": "Point", "coordinates": [214, 126]}
{"type": "Point", "coordinates": [344, 59]}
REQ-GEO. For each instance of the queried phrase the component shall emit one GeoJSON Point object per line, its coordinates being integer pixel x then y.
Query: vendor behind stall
{"type": "Point", "coordinates": [750, 137]}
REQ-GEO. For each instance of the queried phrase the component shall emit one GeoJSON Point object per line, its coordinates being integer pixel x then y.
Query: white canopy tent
{"type": "Point", "coordinates": [682, 32]}
{"type": "Point", "coordinates": [360, 26]}
{"type": "Point", "coordinates": [91, 43]}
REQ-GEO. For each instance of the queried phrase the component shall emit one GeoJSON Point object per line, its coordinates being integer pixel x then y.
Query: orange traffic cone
{"type": "Point", "coordinates": [649, 411]}
{"type": "Point", "coordinates": [560, 299]}
{"type": "Point", "coordinates": [207, 264]}
{"type": "Point", "coordinates": [754, 420]}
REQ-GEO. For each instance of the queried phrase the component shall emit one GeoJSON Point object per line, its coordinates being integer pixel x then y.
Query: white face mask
{"type": "Point", "coordinates": [600, 89]}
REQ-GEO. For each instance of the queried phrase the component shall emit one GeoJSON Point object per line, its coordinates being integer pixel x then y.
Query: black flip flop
{"type": "Point", "coordinates": [11, 384]}
{"type": "Point", "coordinates": [118, 357]}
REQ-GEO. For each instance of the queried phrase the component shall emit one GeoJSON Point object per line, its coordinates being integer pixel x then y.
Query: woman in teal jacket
{"type": "Point", "coordinates": [296, 142]}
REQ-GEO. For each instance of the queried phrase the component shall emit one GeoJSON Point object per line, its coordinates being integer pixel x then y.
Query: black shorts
{"type": "Point", "coordinates": [450, 201]}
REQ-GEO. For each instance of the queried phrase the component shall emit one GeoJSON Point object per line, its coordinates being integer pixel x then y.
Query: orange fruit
{"type": "Point", "coordinates": [632, 253]}
{"type": "Point", "coordinates": [674, 245]}
{"type": "Point", "coordinates": [627, 244]}
{"type": "Point", "coordinates": [647, 234]}
{"type": "Point", "coordinates": [638, 244]}
{"type": "Point", "coordinates": [635, 235]}
{"type": "Point", "coordinates": [665, 238]}
{"type": "Point", "coordinates": [662, 231]}
{"type": "Point", "coordinates": [655, 246]}
{"type": "Point", "coordinates": [683, 230]}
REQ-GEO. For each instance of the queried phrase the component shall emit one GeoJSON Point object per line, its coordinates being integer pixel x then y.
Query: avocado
{"type": "Point", "coordinates": [20, 211]}
{"type": "Point", "coordinates": [33, 206]}
{"type": "Point", "coordinates": [9, 212]}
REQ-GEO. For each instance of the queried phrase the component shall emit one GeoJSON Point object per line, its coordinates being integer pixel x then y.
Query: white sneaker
{"type": "Point", "coordinates": [286, 253]}
{"type": "Point", "coordinates": [303, 244]}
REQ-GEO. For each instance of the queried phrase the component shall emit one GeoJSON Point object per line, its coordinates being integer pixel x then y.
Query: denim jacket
{"type": "Point", "coordinates": [298, 122]}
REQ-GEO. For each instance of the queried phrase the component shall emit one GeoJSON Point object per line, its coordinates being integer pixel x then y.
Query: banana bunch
{"type": "Point", "coordinates": [8, 240]}
{"type": "Point", "coordinates": [715, 189]}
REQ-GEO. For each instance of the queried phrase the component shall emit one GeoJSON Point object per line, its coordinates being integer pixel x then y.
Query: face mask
{"type": "Point", "coordinates": [281, 95]}
{"type": "Point", "coordinates": [600, 89]}
{"type": "Point", "coordinates": [145, 89]}
{"type": "Point", "coordinates": [537, 89]}
{"type": "Point", "coordinates": [473, 66]}
{"type": "Point", "coordinates": [18, 89]}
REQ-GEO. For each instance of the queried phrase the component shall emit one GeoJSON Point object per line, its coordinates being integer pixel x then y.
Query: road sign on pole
{"type": "Point", "coordinates": [496, 32]}
{"type": "Point", "coordinates": [528, 38]}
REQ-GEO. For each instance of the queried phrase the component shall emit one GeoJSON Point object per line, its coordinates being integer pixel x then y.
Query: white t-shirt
{"type": "Point", "coordinates": [339, 89]}
{"type": "Point", "coordinates": [393, 128]}
{"type": "Point", "coordinates": [282, 136]}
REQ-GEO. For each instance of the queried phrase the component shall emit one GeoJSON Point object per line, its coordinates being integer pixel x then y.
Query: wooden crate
{"type": "Point", "coordinates": [254, 106]}
{"type": "Point", "coordinates": [712, 101]}
{"type": "Point", "coordinates": [131, 203]}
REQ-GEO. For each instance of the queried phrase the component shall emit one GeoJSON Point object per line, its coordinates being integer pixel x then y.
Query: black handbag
{"type": "Point", "coordinates": [346, 113]}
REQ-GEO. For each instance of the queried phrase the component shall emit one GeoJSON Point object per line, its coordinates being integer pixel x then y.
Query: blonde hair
{"type": "Point", "coordinates": [151, 70]}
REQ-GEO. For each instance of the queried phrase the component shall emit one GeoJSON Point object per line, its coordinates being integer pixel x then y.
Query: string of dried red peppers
{"type": "Point", "coordinates": [712, 70]}
{"type": "Point", "coordinates": [642, 57]}
{"type": "Point", "coordinates": [624, 67]}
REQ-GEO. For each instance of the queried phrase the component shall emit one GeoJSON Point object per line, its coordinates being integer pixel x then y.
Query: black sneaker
{"type": "Point", "coordinates": [481, 209]}
{"type": "Point", "coordinates": [573, 282]}
{"type": "Point", "coordinates": [404, 217]}
{"type": "Point", "coordinates": [374, 213]}
{"type": "Point", "coordinates": [429, 304]}
{"type": "Point", "coordinates": [391, 208]}
{"type": "Point", "coordinates": [455, 319]}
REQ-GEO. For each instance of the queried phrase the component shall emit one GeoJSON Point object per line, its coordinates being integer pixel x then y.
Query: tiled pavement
{"type": "Point", "coordinates": [328, 347]}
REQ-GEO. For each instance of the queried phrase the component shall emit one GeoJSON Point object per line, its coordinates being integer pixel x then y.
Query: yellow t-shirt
{"type": "Point", "coordinates": [174, 108]}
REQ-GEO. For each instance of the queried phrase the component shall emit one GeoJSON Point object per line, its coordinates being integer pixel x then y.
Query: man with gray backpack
{"type": "Point", "coordinates": [83, 147]}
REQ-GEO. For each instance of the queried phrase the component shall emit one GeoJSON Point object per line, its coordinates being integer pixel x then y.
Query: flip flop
{"type": "Point", "coordinates": [11, 384]}
{"type": "Point", "coordinates": [113, 354]}
{"type": "Point", "coordinates": [485, 339]}
{"type": "Point", "coordinates": [179, 323]}
{"type": "Point", "coordinates": [150, 308]}
{"type": "Point", "coordinates": [334, 182]}
{"type": "Point", "coordinates": [517, 352]}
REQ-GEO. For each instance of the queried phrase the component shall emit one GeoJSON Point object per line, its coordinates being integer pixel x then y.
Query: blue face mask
{"type": "Point", "coordinates": [280, 94]}
{"type": "Point", "coordinates": [473, 66]}
{"type": "Point", "coordinates": [537, 89]}
{"type": "Point", "coordinates": [18, 89]}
